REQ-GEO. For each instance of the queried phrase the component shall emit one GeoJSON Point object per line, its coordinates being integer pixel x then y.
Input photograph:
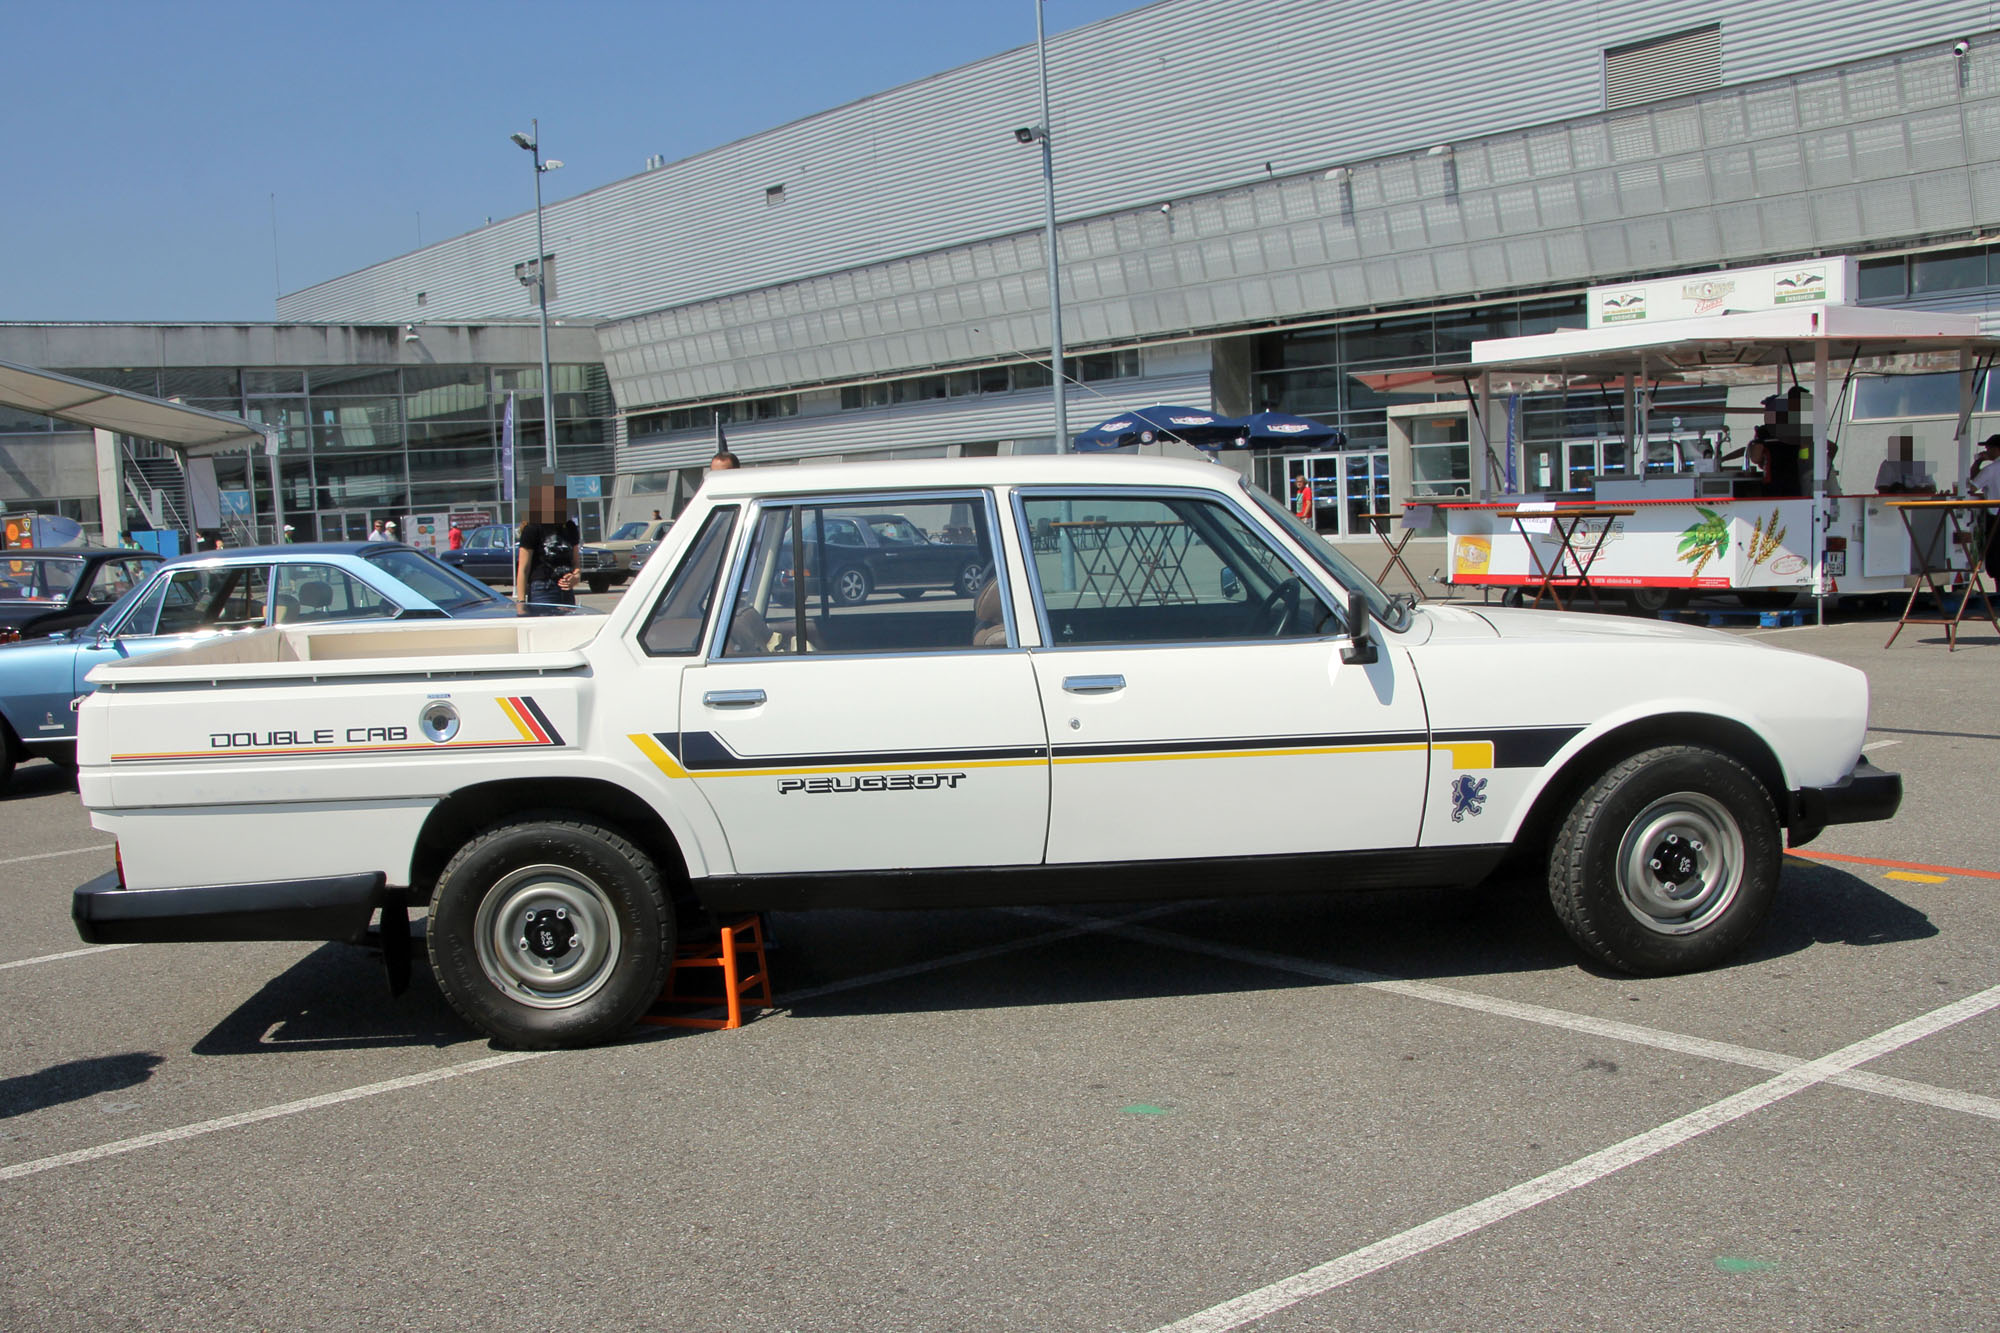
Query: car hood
{"type": "Point", "coordinates": [1569, 626]}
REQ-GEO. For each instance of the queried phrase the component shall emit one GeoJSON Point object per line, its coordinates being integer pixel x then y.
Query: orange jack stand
{"type": "Point", "coordinates": [739, 941]}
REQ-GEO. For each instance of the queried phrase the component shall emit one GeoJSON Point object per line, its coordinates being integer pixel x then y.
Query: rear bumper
{"type": "Point", "coordinates": [1867, 793]}
{"type": "Point", "coordinates": [334, 908]}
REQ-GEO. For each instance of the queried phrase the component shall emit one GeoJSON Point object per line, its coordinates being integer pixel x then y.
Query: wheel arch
{"type": "Point", "coordinates": [461, 815]}
{"type": "Point", "coordinates": [1600, 752]}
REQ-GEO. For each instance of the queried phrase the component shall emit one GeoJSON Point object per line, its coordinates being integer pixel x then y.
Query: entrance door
{"type": "Point", "coordinates": [1346, 488]}
{"type": "Point", "coordinates": [344, 525]}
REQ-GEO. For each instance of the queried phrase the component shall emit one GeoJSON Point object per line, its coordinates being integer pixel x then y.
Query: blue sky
{"type": "Point", "coordinates": [147, 138]}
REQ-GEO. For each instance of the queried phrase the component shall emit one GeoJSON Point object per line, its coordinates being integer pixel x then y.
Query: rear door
{"type": "Point", "coordinates": [1195, 694]}
{"type": "Point", "coordinates": [829, 735]}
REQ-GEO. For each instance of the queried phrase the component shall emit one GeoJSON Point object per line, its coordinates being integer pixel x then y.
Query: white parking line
{"type": "Point", "coordinates": [1878, 745]}
{"type": "Point", "coordinates": [1269, 1300]}
{"type": "Point", "coordinates": [58, 957]}
{"type": "Point", "coordinates": [1948, 1099]}
{"type": "Point", "coordinates": [182, 1132]}
{"type": "Point", "coordinates": [48, 856]}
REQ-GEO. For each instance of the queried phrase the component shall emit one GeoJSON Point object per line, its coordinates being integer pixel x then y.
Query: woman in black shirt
{"type": "Point", "coordinates": [545, 556]}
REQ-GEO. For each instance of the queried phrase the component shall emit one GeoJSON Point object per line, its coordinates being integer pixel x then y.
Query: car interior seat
{"type": "Point", "coordinates": [989, 619]}
{"type": "Point", "coordinates": [315, 599]}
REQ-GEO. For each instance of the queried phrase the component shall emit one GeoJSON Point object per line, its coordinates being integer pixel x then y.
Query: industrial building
{"type": "Point", "coordinates": [1256, 202]}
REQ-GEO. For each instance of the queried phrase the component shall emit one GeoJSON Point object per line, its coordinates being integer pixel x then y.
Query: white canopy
{"type": "Point", "coordinates": [190, 430]}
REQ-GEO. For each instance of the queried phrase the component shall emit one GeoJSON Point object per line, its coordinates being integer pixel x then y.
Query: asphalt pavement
{"type": "Point", "coordinates": [1385, 1111]}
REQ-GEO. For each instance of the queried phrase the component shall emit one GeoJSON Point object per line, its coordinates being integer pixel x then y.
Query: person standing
{"type": "Point", "coordinates": [455, 538]}
{"type": "Point", "coordinates": [375, 534]}
{"type": "Point", "coordinates": [1985, 485]}
{"type": "Point", "coordinates": [390, 532]}
{"type": "Point", "coordinates": [545, 554]}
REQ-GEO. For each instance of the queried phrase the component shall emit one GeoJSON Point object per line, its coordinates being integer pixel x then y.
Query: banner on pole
{"type": "Point", "coordinates": [507, 451]}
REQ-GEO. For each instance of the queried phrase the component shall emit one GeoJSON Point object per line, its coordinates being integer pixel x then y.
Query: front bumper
{"type": "Point", "coordinates": [1866, 793]}
{"type": "Point", "coordinates": [335, 908]}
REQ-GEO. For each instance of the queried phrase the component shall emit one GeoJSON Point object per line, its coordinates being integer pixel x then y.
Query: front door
{"type": "Point", "coordinates": [863, 733]}
{"type": "Point", "coordinates": [1196, 700]}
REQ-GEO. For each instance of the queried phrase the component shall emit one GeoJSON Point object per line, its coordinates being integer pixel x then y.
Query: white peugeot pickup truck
{"type": "Point", "coordinates": [1146, 680]}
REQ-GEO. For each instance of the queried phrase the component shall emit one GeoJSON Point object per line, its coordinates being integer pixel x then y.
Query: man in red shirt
{"type": "Point", "coordinates": [455, 537]}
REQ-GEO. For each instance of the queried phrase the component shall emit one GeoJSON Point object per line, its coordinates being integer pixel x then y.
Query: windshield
{"type": "Point", "coordinates": [444, 587]}
{"type": "Point", "coordinates": [38, 578]}
{"type": "Point", "coordinates": [1393, 613]}
{"type": "Point", "coordinates": [116, 611]}
{"type": "Point", "coordinates": [629, 532]}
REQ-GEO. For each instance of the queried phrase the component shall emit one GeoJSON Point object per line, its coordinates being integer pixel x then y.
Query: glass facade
{"type": "Point", "coordinates": [362, 443]}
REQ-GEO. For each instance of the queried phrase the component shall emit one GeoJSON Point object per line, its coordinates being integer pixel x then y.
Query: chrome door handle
{"type": "Point", "coordinates": [733, 698]}
{"type": "Point", "coordinates": [1093, 684]}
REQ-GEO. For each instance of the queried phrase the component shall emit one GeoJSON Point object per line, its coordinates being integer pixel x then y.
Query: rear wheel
{"type": "Point", "coordinates": [971, 579]}
{"type": "Point", "coordinates": [1668, 862]}
{"type": "Point", "coordinates": [548, 931]}
{"type": "Point", "coordinates": [1652, 601]}
{"type": "Point", "coordinates": [9, 755]}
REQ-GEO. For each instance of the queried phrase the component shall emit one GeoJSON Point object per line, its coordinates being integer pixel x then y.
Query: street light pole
{"type": "Point", "coordinates": [533, 143]}
{"type": "Point", "coordinates": [1049, 210]}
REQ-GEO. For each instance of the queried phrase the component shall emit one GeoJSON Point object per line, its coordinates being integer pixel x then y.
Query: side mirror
{"type": "Point", "coordinates": [1232, 587]}
{"type": "Point", "coordinates": [1360, 649]}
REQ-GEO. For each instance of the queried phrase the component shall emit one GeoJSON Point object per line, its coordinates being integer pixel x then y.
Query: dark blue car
{"type": "Point", "coordinates": [217, 592]}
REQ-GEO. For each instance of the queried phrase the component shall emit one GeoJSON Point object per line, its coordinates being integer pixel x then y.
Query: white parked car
{"type": "Point", "coordinates": [1167, 687]}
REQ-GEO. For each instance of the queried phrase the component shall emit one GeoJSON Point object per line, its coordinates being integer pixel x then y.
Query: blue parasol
{"type": "Point", "coordinates": [1283, 429]}
{"type": "Point", "coordinates": [1191, 425]}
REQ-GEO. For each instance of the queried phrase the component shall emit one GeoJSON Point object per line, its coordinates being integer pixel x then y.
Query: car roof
{"type": "Point", "coordinates": [292, 551]}
{"type": "Point", "coordinates": [947, 473]}
{"type": "Point", "coordinates": [31, 552]}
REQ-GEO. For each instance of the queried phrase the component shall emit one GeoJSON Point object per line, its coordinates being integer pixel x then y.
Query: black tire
{"type": "Point", "coordinates": [538, 874]}
{"type": "Point", "coordinates": [971, 579]}
{"type": "Point", "coordinates": [1710, 821]}
{"type": "Point", "coordinates": [599, 582]}
{"type": "Point", "coordinates": [909, 594]}
{"type": "Point", "coordinates": [852, 585]}
{"type": "Point", "coordinates": [1652, 601]}
{"type": "Point", "coordinates": [9, 755]}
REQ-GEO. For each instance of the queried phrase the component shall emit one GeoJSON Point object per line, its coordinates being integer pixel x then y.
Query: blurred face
{"type": "Point", "coordinates": [550, 504]}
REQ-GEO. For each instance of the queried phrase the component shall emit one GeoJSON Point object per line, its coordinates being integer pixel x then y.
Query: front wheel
{"type": "Point", "coordinates": [599, 582]}
{"type": "Point", "coordinates": [547, 932]}
{"type": "Point", "coordinates": [8, 758]}
{"type": "Point", "coordinates": [971, 579]}
{"type": "Point", "coordinates": [1668, 862]}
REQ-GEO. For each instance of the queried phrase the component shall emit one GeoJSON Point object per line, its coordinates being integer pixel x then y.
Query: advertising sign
{"type": "Point", "coordinates": [1825, 281]}
{"type": "Point", "coordinates": [1697, 544]}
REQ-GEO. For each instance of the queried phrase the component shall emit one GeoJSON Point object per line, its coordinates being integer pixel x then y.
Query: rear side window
{"type": "Point", "coordinates": [322, 592]}
{"type": "Point", "coordinates": [679, 618]}
{"type": "Point", "coordinates": [913, 575]}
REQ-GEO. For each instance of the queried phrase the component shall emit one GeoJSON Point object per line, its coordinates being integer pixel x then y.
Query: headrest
{"type": "Point", "coordinates": [987, 609]}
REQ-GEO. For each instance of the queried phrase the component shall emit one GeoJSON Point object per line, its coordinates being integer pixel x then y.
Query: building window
{"type": "Point", "coordinates": [1662, 67]}
{"type": "Point", "coordinates": [773, 195]}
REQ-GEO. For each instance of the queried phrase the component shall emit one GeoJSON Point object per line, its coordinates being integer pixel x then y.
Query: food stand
{"type": "Point", "coordinates": [1700, 521]}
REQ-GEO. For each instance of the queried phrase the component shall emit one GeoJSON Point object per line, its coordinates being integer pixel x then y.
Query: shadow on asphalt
{"type": "Point", "coordinates": [74, 1081]}
{"type": "Point", "coordinates": [337, 998]}
{"type": "Point", "coordinates": [38, 777]}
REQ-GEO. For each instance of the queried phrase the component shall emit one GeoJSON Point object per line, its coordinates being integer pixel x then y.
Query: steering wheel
{"type": "Point", "coordinates": [1280, 607]}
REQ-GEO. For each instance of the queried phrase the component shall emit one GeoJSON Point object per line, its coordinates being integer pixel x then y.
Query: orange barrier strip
{"type": "Point", "coordinates": [1894, 865]}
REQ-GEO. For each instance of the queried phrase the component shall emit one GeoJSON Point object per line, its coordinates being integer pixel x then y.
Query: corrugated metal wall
{"type": "Point", "coordinates": [1182, 97]}
{"type": "Point", "coordinates": [1880, 150]}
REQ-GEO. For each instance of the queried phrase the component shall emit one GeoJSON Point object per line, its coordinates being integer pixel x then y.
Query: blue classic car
{"type": "Point", "coordinates": [215, 592]}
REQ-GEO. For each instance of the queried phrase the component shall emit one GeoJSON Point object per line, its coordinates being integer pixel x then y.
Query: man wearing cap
{"type": "Point", "coordinates": [389, 532]}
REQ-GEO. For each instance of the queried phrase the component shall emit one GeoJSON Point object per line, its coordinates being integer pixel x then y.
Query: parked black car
{"type": "Point", "coordinates": [887, 552]}
{"type": "Point", "coordinates": [52, 588]}
{"type": "Point", "coordinates": [488, 554]}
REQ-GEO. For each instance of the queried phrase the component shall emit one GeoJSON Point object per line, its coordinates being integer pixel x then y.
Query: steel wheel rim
{"type": "Point", "coordinates": [853, 585]}
{"type": "Point", "coordinates": [972, 578]}
{"type": "Point", "coordinates": [1680, 863]}
{"type": "Point", "coordinates": [521, 905]}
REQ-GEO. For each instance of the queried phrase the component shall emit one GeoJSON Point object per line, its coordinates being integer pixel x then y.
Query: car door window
{"type": "Point", "coordinates": [680, 617]}
{"type": "Point", "coordinates": [1120, 569]}
{"type": "Point", "coordinates": [114, 578]}
{"type": "Point", "coordinates": [820, 577]}
{"type": "Point", "coordinates": [210, 599]}
{"type": "Point", "coordinates": [325, 592]}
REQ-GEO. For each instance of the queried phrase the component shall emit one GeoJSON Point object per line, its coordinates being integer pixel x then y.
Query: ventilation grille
{"type": "Point", "coordinates": [1661, 67]}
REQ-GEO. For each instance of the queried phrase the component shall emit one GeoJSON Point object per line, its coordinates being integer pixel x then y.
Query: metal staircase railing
{"type": "Point", "coordinates": [148, 470]}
